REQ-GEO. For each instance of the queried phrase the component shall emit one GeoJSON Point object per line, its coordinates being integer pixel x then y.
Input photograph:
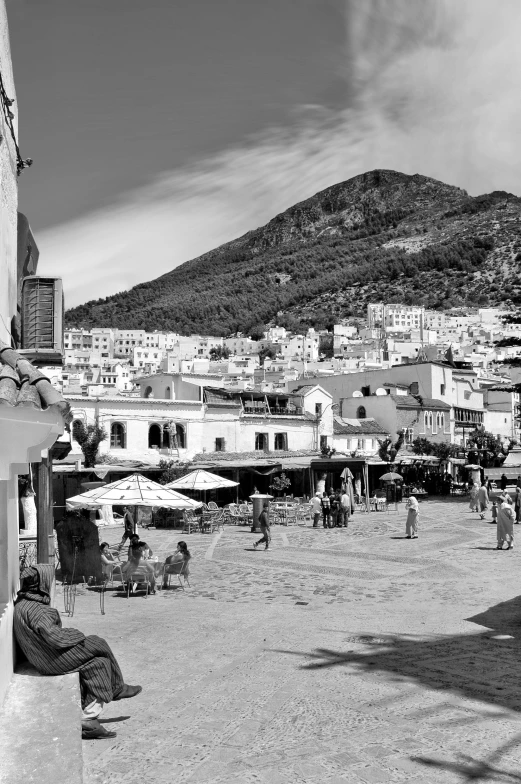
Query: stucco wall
{"type": "Point", "coordinates": [9, 571]}
{"type": "Point", "coordinates": [8, 192]}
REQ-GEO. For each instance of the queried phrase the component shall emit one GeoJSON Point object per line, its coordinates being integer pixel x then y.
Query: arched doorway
{"type": "Point", "coordinates": [180, 435]}
{"type": "Point", "coordinates": [154, 436]}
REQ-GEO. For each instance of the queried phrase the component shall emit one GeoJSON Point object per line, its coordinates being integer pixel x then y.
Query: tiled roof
{"type": "Point", "coordinates": [408, 401]}
{"type": "Point", "coordinates": [357, 427]}
{"type": "Point", "coordinates": [22, 384]}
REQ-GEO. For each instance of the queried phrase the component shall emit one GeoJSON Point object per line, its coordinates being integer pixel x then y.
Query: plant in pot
{"type": "Point", "coordinates": [280, 484]}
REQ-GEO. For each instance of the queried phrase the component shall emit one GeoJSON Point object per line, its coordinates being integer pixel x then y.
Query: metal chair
{"type": "Point", "coordinates": [179, 568]}
{"type": "Point", "coordinates": [303, 513]}
{"type": "Point", "coordinates": [138, 575]}
{"type": "Point", "coordinates": [212, 506]}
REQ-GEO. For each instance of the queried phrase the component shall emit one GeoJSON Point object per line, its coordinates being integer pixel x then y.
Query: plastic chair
{"type": "Point", "coordinates": [212, 506]}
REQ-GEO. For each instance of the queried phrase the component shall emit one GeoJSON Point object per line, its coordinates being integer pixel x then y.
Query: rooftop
{"type": "Point", "coordinates": [23, 385]}
{"type": "Point", "coordinates": [357, 427]}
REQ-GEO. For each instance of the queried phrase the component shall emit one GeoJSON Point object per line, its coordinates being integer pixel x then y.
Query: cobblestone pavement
{"type": "Point", "coordinates": [337, 656]}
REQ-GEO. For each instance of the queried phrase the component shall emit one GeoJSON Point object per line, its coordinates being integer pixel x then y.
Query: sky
{"type": "Point", "coordinates": [160, 130]}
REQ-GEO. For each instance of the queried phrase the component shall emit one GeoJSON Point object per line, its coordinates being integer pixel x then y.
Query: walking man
{"type": "Point", "coordinates": [482, 500]}
{"type": "Point", "coordinates": [264, 522]}
{"type": "Point", "coordinates": [505, 524]}
{"type": "Point", "coordinates": [345, 509]}
{"type": "Point", "coordinates": [128, 522]}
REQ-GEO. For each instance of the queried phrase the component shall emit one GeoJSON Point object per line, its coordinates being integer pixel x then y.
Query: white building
{"type": "Point", "coordinates": [32, 413]}
{"type": "Point", "coordinates": [202, 418]}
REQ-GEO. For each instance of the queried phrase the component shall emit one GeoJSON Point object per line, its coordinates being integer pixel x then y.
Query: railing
{"type": "Point", "coordinates": [274, 410]}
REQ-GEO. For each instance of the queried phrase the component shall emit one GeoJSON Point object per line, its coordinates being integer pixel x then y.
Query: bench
{"type": "Point", "coordinates": [40, 729]}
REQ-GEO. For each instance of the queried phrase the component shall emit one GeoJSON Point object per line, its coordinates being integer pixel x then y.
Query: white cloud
{"type": "Point", "coordinates": [434, 90]}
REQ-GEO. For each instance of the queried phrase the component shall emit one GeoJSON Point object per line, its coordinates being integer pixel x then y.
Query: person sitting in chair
{"type": "Point", "coordinates": [181, 555]}
{"type": "Point", "coordinates": [108, 564]}
{"type": "Point", "coordinates": [137, 554]}
{"type": "Point", "coordinates": [53, 650]}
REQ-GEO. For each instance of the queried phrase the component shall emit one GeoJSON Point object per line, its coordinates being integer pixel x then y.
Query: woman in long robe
{"type": "Point", "coordinates": [473, 503]}
{"type": "Point", "coordinates": [413, 516]}
{"type": "Point", "coordinates": [53, 650]}
{"type": "Point", "coordinates": [482, 500]}
{"type": "Point", "coordinates": [505, 524]}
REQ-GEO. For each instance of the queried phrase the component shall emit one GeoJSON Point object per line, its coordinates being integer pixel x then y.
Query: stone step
{"type": "Point", "coordinates": [40, 729]}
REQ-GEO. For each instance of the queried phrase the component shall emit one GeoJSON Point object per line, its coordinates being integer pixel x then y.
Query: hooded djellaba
{"type": "Point", "coordinates": [53, 650]}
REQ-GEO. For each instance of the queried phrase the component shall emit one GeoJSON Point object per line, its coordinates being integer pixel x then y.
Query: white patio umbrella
{"type": "Point", "coordinates": [135, 490]}
{"type": "Point", "coordinates": [200, 480]}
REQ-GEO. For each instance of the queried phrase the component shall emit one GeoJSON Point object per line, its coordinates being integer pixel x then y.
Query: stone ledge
{"type": "Point", "coordinates": [40, 729]}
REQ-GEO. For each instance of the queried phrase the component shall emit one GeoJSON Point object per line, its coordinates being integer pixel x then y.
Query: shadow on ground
{"type": "Point", "coordinates": [481, 666]}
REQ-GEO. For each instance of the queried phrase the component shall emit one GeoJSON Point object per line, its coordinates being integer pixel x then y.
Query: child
{"type": "Point", "coordinates": [494, 512]}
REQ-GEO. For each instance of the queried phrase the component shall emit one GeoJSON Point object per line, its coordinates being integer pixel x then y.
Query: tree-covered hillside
{"type": "Point", "coordinates": [381, 235]}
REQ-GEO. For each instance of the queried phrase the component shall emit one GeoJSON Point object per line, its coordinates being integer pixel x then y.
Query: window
{"type": "Point", "coordinates": [323, 442]}
{"type": "Point", "coordinates": [366, 391]}
{"type": "Point", "coordinates": [360, 412]}
{"type": "Point", "coordinates": [148, 390]}
{"type": "Point", "coordinates": [281, 441]}
{"type": "Point", "coordinates": [180, 436]}
{"type": "Point", "coordinates": [442, 389]}
{"type": "Point", "coordinates": [360, 443]}
{"type": "Point", "coordinates": [318, 409]}
{"type": "Point", "coordinates": [220, 445]}
{"type": "Point", "coordinates": [117, 436]}
{"type": "Point", "coordinates": [261, 442]}
{"type": "Point", "coordinates": [154, 436]}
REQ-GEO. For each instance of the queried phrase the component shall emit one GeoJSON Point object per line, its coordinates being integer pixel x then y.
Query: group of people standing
{"type": "Point", "coordinates": [333, 508]}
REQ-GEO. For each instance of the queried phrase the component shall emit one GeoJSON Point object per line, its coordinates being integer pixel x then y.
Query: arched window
{"type": "Point", "coordinates": [180, 435]}
{"type": "Point", "coordinates": [154, 436]}
{"type": "Point", "coordinates": [261, 442]}
{"type": "Point", "coordinates": [149, 392]}
{"type": "Point", "coordinates": [425, 420]}
{"type": "Point", "coordinates": [117, 436]}
{"type": "Point", "coordinates": [360, 414]}
{"type": "Point", "coordinates": [167, 393]}
{"type": "Point", "coordinates": [76, 425]}
{"type": "Point", "coordinates": [442, 421]}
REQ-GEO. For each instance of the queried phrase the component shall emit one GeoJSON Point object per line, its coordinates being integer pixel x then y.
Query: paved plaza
{"type": "Point", "coordinates": [337, 656]}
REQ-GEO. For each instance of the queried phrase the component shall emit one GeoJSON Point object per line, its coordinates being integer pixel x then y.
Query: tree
{"type": "Point", "coordinates": [486, 448]}
{"type": "Point", "coordinates": [219, 352]}
{"type": "Point", "coordinates": [421, 446]}
{"type": "Point", "coordinates": [172, 470]}
{"type": "Point", "coordinates": [89, 437]}
{"type": "Point", "coordinates": [265, 353]}
{"type": "Point", "coordinates": [387, 451]}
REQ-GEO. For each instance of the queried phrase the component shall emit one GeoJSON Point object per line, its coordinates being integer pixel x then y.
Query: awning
{"type": "Point", "coordinates": [511, 472]}
{"type": "Point", "coordinates": [295, 463]}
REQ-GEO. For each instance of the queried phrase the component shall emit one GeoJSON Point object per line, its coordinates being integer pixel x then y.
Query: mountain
{"type": "Point", "coordinates": [382, 235]}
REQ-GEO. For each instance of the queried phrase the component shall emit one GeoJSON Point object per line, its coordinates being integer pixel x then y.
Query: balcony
{"type": "Point", "coordinates": [263, 410]}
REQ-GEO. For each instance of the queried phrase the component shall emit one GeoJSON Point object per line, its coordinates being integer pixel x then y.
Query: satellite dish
{"type": "Point", "coordinates": [356, 393]}
{"type": "Point", "coordinates": [381, 391]}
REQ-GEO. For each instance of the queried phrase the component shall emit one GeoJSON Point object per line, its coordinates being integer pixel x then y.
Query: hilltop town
{"type": "Point", "coordinates": [162, 395]}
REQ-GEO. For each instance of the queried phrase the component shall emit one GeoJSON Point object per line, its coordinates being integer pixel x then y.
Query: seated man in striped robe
{"type": "Point", "coordinates": [53, 650]}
